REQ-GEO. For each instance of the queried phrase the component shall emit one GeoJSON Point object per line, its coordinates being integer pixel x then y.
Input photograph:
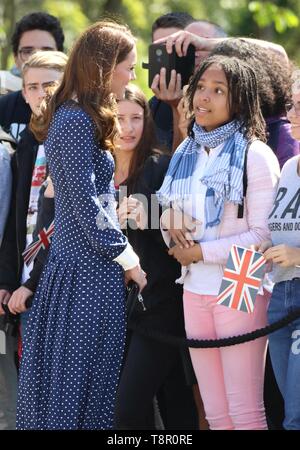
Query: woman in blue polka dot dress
{"type": "Point", "coordinates": [74, 343]}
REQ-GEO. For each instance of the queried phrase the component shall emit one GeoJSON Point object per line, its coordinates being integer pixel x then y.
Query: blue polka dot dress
{"type": "Point", "coordinates": [74, 343]}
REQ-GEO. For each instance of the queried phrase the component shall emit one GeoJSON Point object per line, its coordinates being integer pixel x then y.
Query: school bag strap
{"type": "Point", "coordinates": [240, 213]}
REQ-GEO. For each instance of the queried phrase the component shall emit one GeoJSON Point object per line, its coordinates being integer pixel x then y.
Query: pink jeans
{"type": "Point", "coordinates": [230, 379]}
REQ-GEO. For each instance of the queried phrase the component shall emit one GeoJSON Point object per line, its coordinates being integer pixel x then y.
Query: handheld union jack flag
{"type": "Point", "coordinates": [242, 277]}
{"type": "Point", "coordinates": [43, 241]}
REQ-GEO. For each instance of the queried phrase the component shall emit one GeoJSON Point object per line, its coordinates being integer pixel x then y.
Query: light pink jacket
{"type": "Point", "coordinates": [263, 174]}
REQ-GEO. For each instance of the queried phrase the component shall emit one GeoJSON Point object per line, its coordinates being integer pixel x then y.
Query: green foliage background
{"type": "Point", "coordinates": [277, 21]}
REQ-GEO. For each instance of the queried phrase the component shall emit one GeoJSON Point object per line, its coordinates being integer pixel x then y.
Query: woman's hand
{"type": "Point", "coordinates": [262, 247]}
{"type": "Point", "coordinates": [17, 301]}
{"type": "Point", "coordinates": [131, 208]}
{"type": "Point", "coordinates": [186, 256]}
{"type": "Point", "coordinates": [283, 255]}
{"type": "Point", "coordinates": [49, 191]}
{"type": "Point", "coordinates": [138, 275]}
{"type": "Point", "coordinates": [180, 226]}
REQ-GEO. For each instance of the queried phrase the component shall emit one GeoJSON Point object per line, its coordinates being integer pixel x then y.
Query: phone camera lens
{"type": "Point", "coordinates": [158, 52]}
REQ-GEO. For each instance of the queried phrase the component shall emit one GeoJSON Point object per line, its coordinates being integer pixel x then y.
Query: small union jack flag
{"type": "Point", "coordinates": [43, 241]}
{"type": "Point", "coordinates": [242, 278]}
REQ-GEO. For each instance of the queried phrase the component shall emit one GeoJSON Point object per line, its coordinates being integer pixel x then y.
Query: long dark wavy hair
{"type": "Point", "coordinates": [88, 77]}
{"type": "Point", "coordinates": [243, 94]}
{"type": "Point", "coordinates": [147, 145]}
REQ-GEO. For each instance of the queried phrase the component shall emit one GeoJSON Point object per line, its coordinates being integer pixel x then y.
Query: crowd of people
{"type": "Point", "coordinates": [101, 187]}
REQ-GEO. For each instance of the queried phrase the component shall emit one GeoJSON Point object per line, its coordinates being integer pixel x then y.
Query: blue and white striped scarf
{"type": "Point", "coordinates": [224, 178]}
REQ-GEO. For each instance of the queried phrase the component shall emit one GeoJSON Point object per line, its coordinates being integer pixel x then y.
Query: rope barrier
{"type": "Point", "coordinates": [213, 343]}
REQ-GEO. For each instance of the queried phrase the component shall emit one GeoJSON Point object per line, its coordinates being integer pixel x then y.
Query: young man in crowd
{"type": "Point", "coordinates": [164, 103]}
{"type": "Point", "coordinates": [165, 100]}
{"type": "Point", "coordinates": [35, 31]}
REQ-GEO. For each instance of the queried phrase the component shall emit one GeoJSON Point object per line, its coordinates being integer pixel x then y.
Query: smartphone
{"type": "Point", "coordinates": [158, 58]}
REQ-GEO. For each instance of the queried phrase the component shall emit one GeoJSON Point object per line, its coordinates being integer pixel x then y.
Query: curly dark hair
{"type": "Point", "coordinates": [38, 21]}
{"type": "Point", "coordinates": [273, 74]}
{"type": "Point", "coordinates": [243, 94]}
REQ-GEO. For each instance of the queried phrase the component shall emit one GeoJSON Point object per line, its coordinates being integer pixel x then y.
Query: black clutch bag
{"type": "Point", "coordinates": [134, 300]}
{"type": "Point", "coordinates": [12, 321]}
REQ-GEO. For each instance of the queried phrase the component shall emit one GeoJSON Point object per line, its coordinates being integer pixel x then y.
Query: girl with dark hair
{"type": "Point", "coordinates": [205, 181]}
{"type": "Point", "coordinates": [150, 368]}
{"type": "Point", "coordinates": [274, 89]}
{"type": "Point", "coordinates": [74, 343]}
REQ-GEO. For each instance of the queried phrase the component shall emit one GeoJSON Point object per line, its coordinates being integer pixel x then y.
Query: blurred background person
{"type": "Point", "coordinates": [164, 104]}
{"type": "Point", "coordinates": [166, 98]}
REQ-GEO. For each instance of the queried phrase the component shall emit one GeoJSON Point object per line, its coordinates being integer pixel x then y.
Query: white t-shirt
{"type": "Point", "coordinates": [202, 278]}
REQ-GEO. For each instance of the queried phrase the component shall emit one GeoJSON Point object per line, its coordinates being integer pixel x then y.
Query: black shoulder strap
{"type": "Point", "coordinates": [240, 214]}
{"type": "Point", "coordinates": [8, 104]}
{"type": "Point", "coordinates": [6, 137]}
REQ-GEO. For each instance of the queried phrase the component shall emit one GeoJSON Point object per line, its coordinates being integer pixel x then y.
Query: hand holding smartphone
{"type": "Point", "coordinates": [159, 57]}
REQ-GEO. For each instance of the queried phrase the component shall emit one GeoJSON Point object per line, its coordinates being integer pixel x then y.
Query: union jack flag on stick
{"type": "Point", "coordinates": [242, 278]}
{"type": "Point", "coordinates": [43, 241]}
